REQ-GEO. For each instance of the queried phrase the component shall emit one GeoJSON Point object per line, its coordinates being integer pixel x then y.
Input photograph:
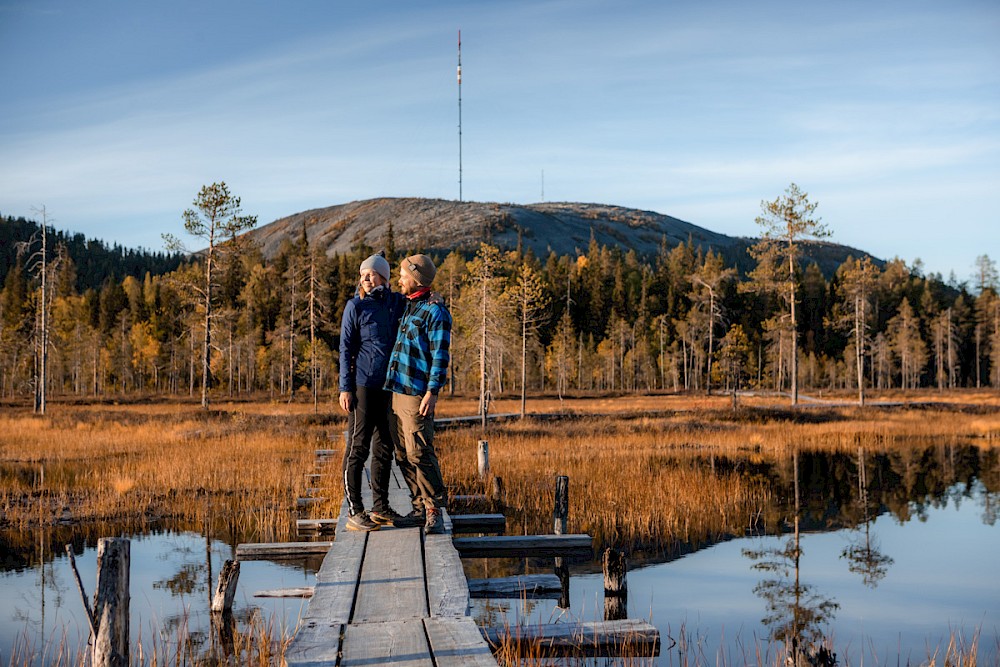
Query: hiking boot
{"type": "Point", "coordinates": [360, 521]}
{"type": "Point", "coordinates": [388, 517]}
{"type": "Point", "coordinates": [414, 518]}
{"type": "Point", "coordinates": [434, 524]}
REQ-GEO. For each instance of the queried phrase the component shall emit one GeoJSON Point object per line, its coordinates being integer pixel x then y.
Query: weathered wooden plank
{"type": "Point", "coordinates": [316, 643]}
{"type": "Point", "coordinates": [447, 589]}
{"type": "Point", "coordinates": [457, 642]}
{"type": "Point", "coordinates": [299, 592]}
{"type": "Point", "coordinates": [337, 580]}
{"type": "Point", "coordinates": [396, 643]}
{"type": "Point", "coordinates": [327, 453]}
{"type": "Point", "coordinates": [305, 502]}
{"type": "Point", "coordinates": [479, 523]}
{"type": "Point", "coordinates": [524, 546]}
{"type": "Point", "coordinates": [624, 638]}
{"type": "Point", "coordinates": [392, 578]}
{"type": "Point", "coordinates": [530, 586]}
{"type": "Point", "coordinates": [278, 550]}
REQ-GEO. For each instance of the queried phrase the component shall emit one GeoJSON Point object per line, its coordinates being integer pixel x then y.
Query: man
{"type": "Point", "coordinates": [418, 369]}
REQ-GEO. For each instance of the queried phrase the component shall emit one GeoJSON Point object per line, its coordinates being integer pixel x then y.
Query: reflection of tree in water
{"type": "Point", "coordinates": [186, 581]}
{"type": "Point", "coordinates": [863, 554]}
{"type": "Point", "coordinates": [795, 613]}
{"type": "Point", "coordinates": [990, 477]}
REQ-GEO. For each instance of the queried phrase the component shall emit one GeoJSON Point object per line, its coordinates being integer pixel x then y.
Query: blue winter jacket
{"type": "Point", "coordinates": [367, 333]}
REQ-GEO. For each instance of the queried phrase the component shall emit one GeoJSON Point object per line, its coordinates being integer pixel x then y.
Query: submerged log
{"type": "Point", "coordinates": [525, 586]}
{"type": "Point", "coordinates": [300, 592]}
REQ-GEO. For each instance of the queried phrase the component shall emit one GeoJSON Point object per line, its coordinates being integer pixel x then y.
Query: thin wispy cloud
{"type": "Point", "coordinates": [694, 110]}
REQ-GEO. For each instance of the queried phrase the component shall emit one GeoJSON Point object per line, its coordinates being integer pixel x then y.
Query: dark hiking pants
{"type": "Point", "coordinates": [368, 430]}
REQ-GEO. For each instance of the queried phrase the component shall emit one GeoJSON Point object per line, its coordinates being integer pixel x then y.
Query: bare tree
{"type": "Point", "coordinates": [858, 281]}
{"type": "Point", "coordinates": [706, 283]}
{"type": "Point", "coordinates": [38, 264]}
{"type": "Point", "coordinates": [217, 219]}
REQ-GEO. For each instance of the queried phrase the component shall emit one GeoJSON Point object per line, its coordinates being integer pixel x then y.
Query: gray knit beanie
{"type": "Point", "coordinates": [377, 263]}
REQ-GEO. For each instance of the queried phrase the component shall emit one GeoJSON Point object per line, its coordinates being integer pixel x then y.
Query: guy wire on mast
{"type": "Point", "coordinates": [459, 115]}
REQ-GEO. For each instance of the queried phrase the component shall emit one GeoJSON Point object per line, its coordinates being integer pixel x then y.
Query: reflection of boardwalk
{"type": "Point", "coordinates": [393, 596]}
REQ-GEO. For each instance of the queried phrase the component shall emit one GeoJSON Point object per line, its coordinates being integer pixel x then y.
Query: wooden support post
{"type": "Point", "coordinates": [483, 458]}
{"type": "Point", "coordinates": [225, 591]}
{"type": "Point", "coordinates": [497, 494]}
{"type": "Point", "coordinates": [561, 510]}
{"type": "Point", "coordinates": [615, 586]}
{"type": "Point", "coordinates": [560, 513]}
{"type": "Point", "coordinates": [111, 603]}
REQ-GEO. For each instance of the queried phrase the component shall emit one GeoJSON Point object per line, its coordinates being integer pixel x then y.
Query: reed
{"type": "Point", "coordinates": [142, 465]}
{"type": "Point", "coordinates": [649, 480]}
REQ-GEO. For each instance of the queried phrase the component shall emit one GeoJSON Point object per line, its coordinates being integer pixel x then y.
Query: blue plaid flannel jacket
{"type": "Point", "coordinates": [420, 357]}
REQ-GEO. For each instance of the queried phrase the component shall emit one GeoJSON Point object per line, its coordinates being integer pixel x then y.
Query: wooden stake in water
{"type": "Point", "coordinates": [225, 590]}
{"type": "Point", "coordinates": [560, 513]}
{"type": "Point", "coordinates": [561, 509]}
{"type": "Point", "coordinates": [111, 603]}
{"type": "Point", "coordinates": [615, 586]}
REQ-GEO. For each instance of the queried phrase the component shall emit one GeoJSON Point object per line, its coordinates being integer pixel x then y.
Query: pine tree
{"type": "Point", "coordinates": [217, 219]}
{"type": "Point", "coordinates": [787, 223]}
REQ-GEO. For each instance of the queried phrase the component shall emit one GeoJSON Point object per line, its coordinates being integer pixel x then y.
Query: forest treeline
{"type": "Point", "coordinates": [94, 260]}
{"type": "Point", "coordinates": [604, 320]}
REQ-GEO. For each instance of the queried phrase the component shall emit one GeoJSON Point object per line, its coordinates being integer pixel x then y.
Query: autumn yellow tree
{"type": "Point", "coordinates": [528, 298]}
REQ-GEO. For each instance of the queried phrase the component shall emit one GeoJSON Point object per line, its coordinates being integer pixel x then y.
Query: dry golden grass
{"type": "Point", "coordinates": [647, 478]}
{"type": "Point", "coordinates": [640, 474]}
{"type": "Point", "coordinates": [237, 471]}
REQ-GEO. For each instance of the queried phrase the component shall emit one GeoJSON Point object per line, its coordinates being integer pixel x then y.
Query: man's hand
{"type": "Point", "coordinates": [427, 404]}
{"type": "Point", "coordinates": [347, 401]}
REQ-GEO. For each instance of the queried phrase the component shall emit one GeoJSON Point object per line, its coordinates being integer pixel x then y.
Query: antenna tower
{"type": "Point", "coordinates": [459, 115]}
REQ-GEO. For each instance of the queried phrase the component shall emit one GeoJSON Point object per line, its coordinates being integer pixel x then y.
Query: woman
{"type": "Point", "coordinates": [367, 334]}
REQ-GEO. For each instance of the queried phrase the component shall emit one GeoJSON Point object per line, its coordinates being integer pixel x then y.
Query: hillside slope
{"type": "Point", "coordinates": [438, 226]}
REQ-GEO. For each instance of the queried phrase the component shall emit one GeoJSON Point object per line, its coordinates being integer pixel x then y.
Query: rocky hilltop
{"type": "Point", "coordinates": [439, 226]}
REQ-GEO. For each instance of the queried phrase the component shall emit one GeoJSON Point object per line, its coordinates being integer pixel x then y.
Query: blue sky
{"type": "Point", "coordinates": [114, 114]}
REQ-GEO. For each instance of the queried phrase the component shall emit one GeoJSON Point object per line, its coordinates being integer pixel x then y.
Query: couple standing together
{"type": "Point", "coordinates": [393, 362]}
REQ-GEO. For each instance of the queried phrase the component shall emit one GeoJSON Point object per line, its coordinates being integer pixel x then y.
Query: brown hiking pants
{"type": "Point", "coordinates": [415, 455]}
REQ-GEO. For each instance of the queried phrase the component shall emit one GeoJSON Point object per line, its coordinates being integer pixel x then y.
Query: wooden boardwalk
{"type": "Point", "coordinates": [390, 597]}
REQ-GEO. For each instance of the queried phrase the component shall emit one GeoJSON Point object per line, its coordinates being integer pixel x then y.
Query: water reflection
{"type": "Point", "coordinates": [41, 610]}
{"type": "Point", "coordinates": [863, 552]}
{"type": "Point", "coordinates": [846, 557]}
{"type": "Point", "coordinates": [796, 612]}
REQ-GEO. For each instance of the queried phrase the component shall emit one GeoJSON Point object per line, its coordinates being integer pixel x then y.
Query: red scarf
{"type": "Point", "coordinates": [422, 292]}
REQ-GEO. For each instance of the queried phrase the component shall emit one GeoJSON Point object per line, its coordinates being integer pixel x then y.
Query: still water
{"type": "Point", "coordinates": [943, 581]}
{"type": "Point", "coordinates": [41, 609]}
{"type": "Point", "coordinates": [893, 557]}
